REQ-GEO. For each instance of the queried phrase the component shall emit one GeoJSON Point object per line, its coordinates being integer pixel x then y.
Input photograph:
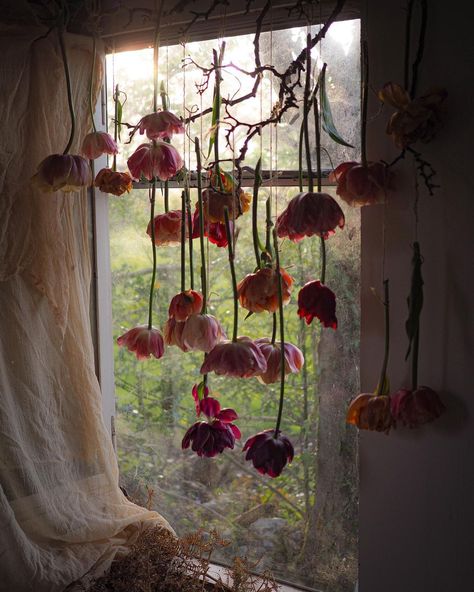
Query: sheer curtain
{"type": "Point", "coordinates": [62, 514]}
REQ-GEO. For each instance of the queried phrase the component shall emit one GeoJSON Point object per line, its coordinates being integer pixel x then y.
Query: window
{"type": "Point", "coordinates": [303, 525]}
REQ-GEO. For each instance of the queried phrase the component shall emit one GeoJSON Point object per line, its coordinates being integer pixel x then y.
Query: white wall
{"type": "Point", "coordinates": [417, 487]}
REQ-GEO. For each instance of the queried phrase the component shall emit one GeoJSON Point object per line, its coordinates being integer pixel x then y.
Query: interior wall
{"type": "Point", "coordinates": [417, 486]}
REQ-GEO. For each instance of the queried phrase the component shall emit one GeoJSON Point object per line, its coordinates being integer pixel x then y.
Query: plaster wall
{"type": "Point", "coordinates": [417, 486]}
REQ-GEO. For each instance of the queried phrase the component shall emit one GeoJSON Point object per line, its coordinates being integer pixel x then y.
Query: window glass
{"type": "Point", "coordinates": [303, 525]}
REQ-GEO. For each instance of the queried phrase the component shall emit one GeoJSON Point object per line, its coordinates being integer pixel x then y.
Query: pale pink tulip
{"type": "Point", "coordinates": [157, 159]}
{"type": "Point", "coordinates": [162, 124]}
{"type": "Point", "coordinates": [294, 359]}
{"type": "Point", "coordinates": [202, 332]}
{"type": "Point", "coordinates": [97, 143]}
{"type": "Point", "coordinates": [173, 331]}
{"type": "Point", "coordinates": [143, 342]}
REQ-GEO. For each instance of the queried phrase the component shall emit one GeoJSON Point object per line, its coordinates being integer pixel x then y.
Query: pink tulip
{"type": "Point", "coordinates": [241, 359]}
{"type": "Point", "coordinates": [157, 159]}
{"type": "Point", "coordinates": [415, 408]}
{"type": "Point", "coordinates": [162, 124]}
{"type": "Point", "coordinates": [294, 359]}
{"type": "Point", "coordinates": [317, 300]}
{"type": "Point", "coordinates": [97, 143]}
{"type": "Point", "coordinates": [143, 342]}
{"type": "Point", "coordinates": [310, 214]}
{"type": "Point", "coordinates": [173, 331]}
{"type": "Point", "coordinates": [361, 185]}
{"type": "Point", "coordinates": [65, 172]}
{"type": "Point", "coordinates": [202, 332]}
{"type": "Point", "coordinates": [167, 229]}
{"type": "Point", "coordinates": [184, 304]}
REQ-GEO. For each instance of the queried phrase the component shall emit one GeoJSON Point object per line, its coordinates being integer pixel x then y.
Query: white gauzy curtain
{"type": "Point", "coordinates": [62, 515]}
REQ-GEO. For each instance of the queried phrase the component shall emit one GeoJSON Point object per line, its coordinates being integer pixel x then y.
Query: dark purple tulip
{"type": "Point", "coordinates": [269, 453]}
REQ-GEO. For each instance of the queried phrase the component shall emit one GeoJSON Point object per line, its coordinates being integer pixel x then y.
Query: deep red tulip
{"type": "Point", "coordinates": [360, 185]}
{"type": "Point", "coordinates": [113, 182]}
{"type": "Point", "coordinates": [259, 291]}
{"type": "Point", "coordinates": [202, 332]}
{"type": "Point", "coordinates": [415, 408]}
{"type": "Point", "coordinates": [162, 124]}
{"type": "Point", "coordinates": [269, 453]}
{"type": "Point", "coordinates": [317, 300]}
{"type": "Point", "coordinates": [143, 342]}
{"type": "Point", "coordinates": [211, 437]}
{"type": "Point", "coordinates": [240, 359]}
{"type": "Point", "coordinates": [184, 304]}
{"type": "Point", "coordinates": [65, 172]}
{"type": "Point", "coordinates": [97, 143]}
{"type": "Point", "coordinates": [310, 214]}
{"type": "Point", "coordinates": [294, 359]}
{"type": "Point", "coordinates": [157, 159]}
{"type": "Point", "coordinates": [167, 229]}
{"type": "Point", "coordinates": [370, 412]}
{"type": "Point", "coordinates": [215, 231]}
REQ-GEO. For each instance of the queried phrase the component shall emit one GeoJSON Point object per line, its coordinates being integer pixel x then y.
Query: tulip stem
{"type": "Point", "coordinates": [190, 237]}
{"type": "Point", "coordinates": [282, 338]}
{"type": "Point", "coordinates": [365, 100]}
{"type": "Point", "coordinates": [323, 260]}
{"type": "Point", "coordinates": [383, 373]}
{"type": "Point", "coordinates": [68, 88]}
{"type": "Point", "coordinates": [317, 133]}
{"type": "Point", "coordinates": [268, 228]}
{"type": "Point", "coordinates": [91, 84]}
{"type": "Point", "coordinates": [256, 241]}
{"type": "Point", "coordinates": [300, 158]}
{"type": "Point", "coordinates": [183, 241]}
{"type": "Point", "coordinates": [217, 105]}
{"type": "Point", "coordinates": [116, 124]}
{"type": "Point", "coordinates": [306, 113]}
{"type": "Point", "coordinates": [274, 328]}
{"type": "Point", "coordinates": [201, 226]}
{"type": "Point", "coordinates": [153, 273]}
{"type": "Point", "coordinates": [414, 367]}
{"type": "Point", "coordinates": [232, 272]}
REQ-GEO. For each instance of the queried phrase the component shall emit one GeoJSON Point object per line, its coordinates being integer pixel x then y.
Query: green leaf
{"type": "Point", "coordinates": [216, 109]}
{"type": "Point", "coordinates": [326, 113]}
{"type": "Point", "coordinates": [415, 298]}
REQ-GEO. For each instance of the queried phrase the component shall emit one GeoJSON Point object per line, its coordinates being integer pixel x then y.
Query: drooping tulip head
{"type": "Point", "coordinates": [370, 412]}
{"type": "Point", "coordinates": [317, 300]}
{"type": "Point", "coordinates": [184, 304]}
{"type": "Point", "coordinates": [268, 452]}
{"type": "Point", "coordinates": [173, 333]}
{"type": "Point", "coordinates": [309, 214]}
{"type": "Point", "coordinates": [167, 229]}
{"type": "Point", "coordinates": [258, 291]}
{"type": "Point", "coordinates": [415, 408]}
{"type": "Point", "coordinates": [215, 231]}
{"type": "Point", "coordinates": [65, 172]}
{"type": "Point", "coordinates": [294, 360]}
{"type": "Point", "coordinates": [361, 185]}
{"type": "Point", "coordinates": [214, 202]}
{"type": "Point", "coordinates": [240, 359]}
{"type": "Point", "coordinates": [202, 332]}
{"type": "Point", "coordinates": [157, 159]}
{"type": "Point", "coordinates": [162, 124]}
{"type": "Point", "coordinates": [113, 182]}
{"type": "Point", "coordinates": [97, 143]}
{"type": "Point", "coordinates": [143, 342]}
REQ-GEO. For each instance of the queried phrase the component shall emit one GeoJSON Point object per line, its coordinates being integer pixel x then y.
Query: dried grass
{"type": "Point", "coordinates": [159, 562]}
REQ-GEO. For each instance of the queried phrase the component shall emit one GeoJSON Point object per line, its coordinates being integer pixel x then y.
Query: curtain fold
{"type": "Point", "coordinates": [62, 515]}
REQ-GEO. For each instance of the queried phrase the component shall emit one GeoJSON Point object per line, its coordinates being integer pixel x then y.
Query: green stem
{"type": "Point", "coordinates": [365, 100]}
{"type": "Point", "coordinates": [323, 260]}
{"type": "Point", "coordinates": [383, 373]}
{"type": "Point", "coordinates": [256, 241]}
{"type": "Point", "coordinates": [317, 133]}
{"type": "Point", "coordinates": [306, 113]}
{"type": "Point", "coordinates": [268, 227]}
{"type": "Point", "coordinates": [217, 98]}
{"type": "Point", "coordinates": [300, 157]}
{"type": "Point", "coordinates": [116, 104]}
{"type": "Point", "coordinates": [406, 66]}
{"type": "Point", "coordinates": [232, 272]}
{"type": "Point", "coordinates": [201, 226]}
{"type": "Point", "coordinates": [274, 328]}
{"type": "Point", "coordinates": [164, 97]}
{"type": "Point", "coordinates": [153, 274]}
{"type": "Point", "coordinates": [69, 91]}
{"type": "Point", "coordinates": [190, 238]}
{"type": "Point", "coordinates": [91, 84]}
{"type": "Point", "coordinates": [183, 241]}
{"type": "Point", "coordinates": [166, 197]}
{"type": "Point", "coordinates": [156, 52]}
{"type": "Point", "coordinates": [282, 338]}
